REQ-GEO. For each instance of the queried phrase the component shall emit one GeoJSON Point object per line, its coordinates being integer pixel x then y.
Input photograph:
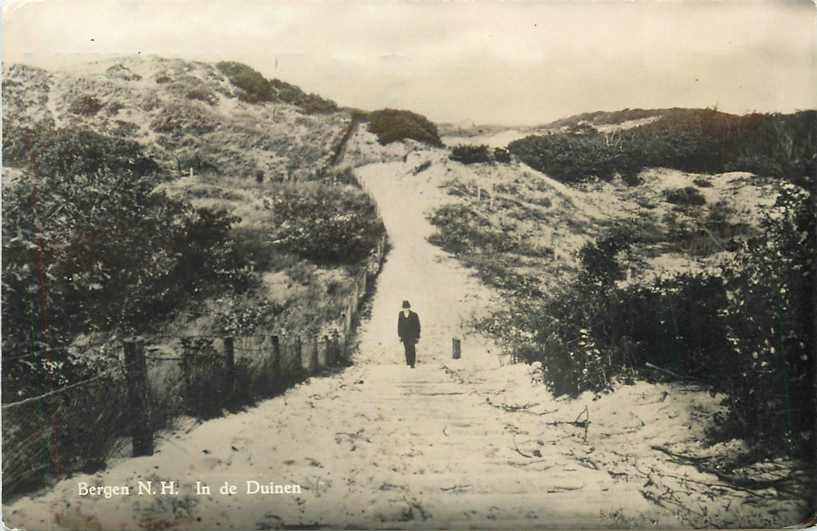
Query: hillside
{"type": "Point", "coordinates": [187, 114]}
{"type": "Point", "coordinates": [215, 147]}
{"type": "Point", "coordinates": [650, 243]}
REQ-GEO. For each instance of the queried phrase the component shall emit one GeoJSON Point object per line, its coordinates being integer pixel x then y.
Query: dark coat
{"type": "Point", "coordinates": [408, 328]}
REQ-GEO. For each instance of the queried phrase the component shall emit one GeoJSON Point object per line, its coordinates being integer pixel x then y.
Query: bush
{"type": "Point", "coordinates": [156, 251]}
{"type": "Point", "coordinates": [697, 140]}
{"type": "Point", "coordinates": [85, 106]}
{"type": "Point", "coordinates": [67, 153]}
{"type": "Point", "coordinates": [460, 229]}
{"type": "Point", "coordinates": [255, 88]}
{"type": "Point", "coordinates": [202, 94]}
{"type": "Point", "coordinates": [744, 333]}
{"type": "Point", "coordinates": [576, 158]}
{"type": "Point", "coordinates": [502, 155]}
{"type": "Point", "coordinates": [391, 125]}
{"type": "Point", "coordinates": [687, 196]}
{"type": "Point", "coordinates": [325, 223]}
{"type": "Point", "coordinates": [471, 154]}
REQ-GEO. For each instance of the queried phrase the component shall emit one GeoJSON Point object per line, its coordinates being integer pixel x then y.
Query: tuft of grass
{"type": "Point", "coordinates": [85, 105]}
{"type": "Point", "coordinates": [687, 196]}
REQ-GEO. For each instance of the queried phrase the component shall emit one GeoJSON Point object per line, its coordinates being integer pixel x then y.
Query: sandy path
{"type": "Point", "coordinates": [380, 445]}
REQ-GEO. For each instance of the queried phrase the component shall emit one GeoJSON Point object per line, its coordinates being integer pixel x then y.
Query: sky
{"type": "Point", "coordinates": [489, 62]}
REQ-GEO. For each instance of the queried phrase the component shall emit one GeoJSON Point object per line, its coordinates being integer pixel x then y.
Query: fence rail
{"type": "Point", "coordinates": [140, 394]}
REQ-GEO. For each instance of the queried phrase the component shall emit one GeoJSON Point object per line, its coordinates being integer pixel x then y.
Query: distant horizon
{"type": "Point", "coordinates": [466, 122]}
{"type": "Point", "coordinates": [514, 65]}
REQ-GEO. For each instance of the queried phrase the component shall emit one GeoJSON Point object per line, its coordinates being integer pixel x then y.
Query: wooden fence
{"type": "Point", "coordinates": [142, 393]}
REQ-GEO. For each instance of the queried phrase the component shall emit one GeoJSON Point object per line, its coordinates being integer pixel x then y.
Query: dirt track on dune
{"type": "Point", "coordinates": [453, 443]}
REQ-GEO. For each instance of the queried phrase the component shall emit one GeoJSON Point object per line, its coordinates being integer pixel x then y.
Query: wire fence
{"type": "Point", "coordinates": [150, 381]}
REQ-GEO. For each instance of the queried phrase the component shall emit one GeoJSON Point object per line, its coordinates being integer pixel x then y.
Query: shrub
{"type": "Point", "coordinates": [254, 87]}
{"type": "Point", "coordinates": [460, 229]}
{"type": "Point", "coordinates": [116, 255]}
{"type": "Point", "coordinates": [85, 105]}
{"type": "Point", "coordinates": [687, 196]}
{"type": "Point", "coordinates": [576, 158]}
{"type": "Point", "coordinates": [325, 223]}
{"type": "Point", "coordinates": [202, 94]}
{"type": "Point", "coordinates": [392, 125]}
{"type": "Point", "coordinates": [471, 154]}
{"type": "Point", "coordinates": [698, 140]}
{"type": "Point", "coordinates": [184, 117]}
{"type": "Point", "coordinates": [702, 182]}
{"type": "Point", "coordinates": [66, 153]}
{"type": "Point", "coordinates": [744, 333]}
{"type": "Point", "coordinates": [163, 79]}
{"type": "Point", "coordinates": [502, 155]}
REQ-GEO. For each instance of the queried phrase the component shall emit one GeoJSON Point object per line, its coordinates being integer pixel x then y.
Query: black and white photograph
{"type": "Point", "coordinates": [409, 264]}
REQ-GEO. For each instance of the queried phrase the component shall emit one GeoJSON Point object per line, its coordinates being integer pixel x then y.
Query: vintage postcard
{"type": "Point", "coordinates": [408, 264]}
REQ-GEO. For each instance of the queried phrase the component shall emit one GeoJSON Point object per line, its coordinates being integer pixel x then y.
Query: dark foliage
{"type": "Point", "coordinates": [392, 125]}
{"type": "Point", "coordinates": [700, 140]}
{"type": "Point", "coordinates": [202, 94]}
{"type": "Point", "coordinates": [326, 224]}
{"type": "Point", "coordinates": [255, 88]}
{"type": "Point", "coordinates": [745, 333]}
{"type": "Point", "coordinates": [575, 158]}
{"type": "Point", "coordinates": [502, 155]}
{"type": "Point", "coordinates": [67, 153]}
{"type": "Point", "coordinates": [90, 247]}
{"type": "Point", "coordinates": [85, 106]}
{"type": "Point", "coordinates": [468, 154]}
{"type": "Point", "coordinates": [687, 196]}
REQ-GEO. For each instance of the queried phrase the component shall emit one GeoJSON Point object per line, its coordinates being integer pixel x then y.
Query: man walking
{"type": "Point", "coordinates": [408, 328]}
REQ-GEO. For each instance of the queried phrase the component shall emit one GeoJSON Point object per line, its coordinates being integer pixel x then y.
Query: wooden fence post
{"type": "Point", "coordinates": [136, 371]}
{"type": "Point", "coordinates": [276, 359]}
{"type": "Point", "coordinates": [348, 320]}
{"type": "Point", "coordinates": [456, 348]}
{"type": "Point", "coordinates": [304, 355]}
{"type": "Point", "coordinates": [323, 352]}
{"type": "Point", "coordinates": [334, 350]}
{"type": "Point", "coordinates": [187, 373]}
{"type": "Point", "coordinates": [229, 366]}
{"type": "Point", "coordinates": [313, 360]}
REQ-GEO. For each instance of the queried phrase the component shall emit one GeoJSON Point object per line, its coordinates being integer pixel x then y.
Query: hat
{"type": "Point", "coordinates": [406, 304]}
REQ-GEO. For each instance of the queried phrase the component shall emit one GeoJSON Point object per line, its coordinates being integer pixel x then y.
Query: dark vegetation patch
{"type": "Point", "coordinates": [156, 251]}
{"type": "Point", "coordinates": [696, 140]}
{"type": "Point", "coordinates": [744, 332]}
{"type": "Point", "coordinates": [392, 125]}
{"type": "Point", "coordinates": [85, 105]}
{"type": "Point", "coordinates": [325, 224]}
{"type": "Point", "coordinates": [469, 154]}
{"type": "Point", "coordinates": [255, 88]}
{"type": "Point", "coordinates": [202, 94]}
{"type": "Point", "coordinates": [687, 196]}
